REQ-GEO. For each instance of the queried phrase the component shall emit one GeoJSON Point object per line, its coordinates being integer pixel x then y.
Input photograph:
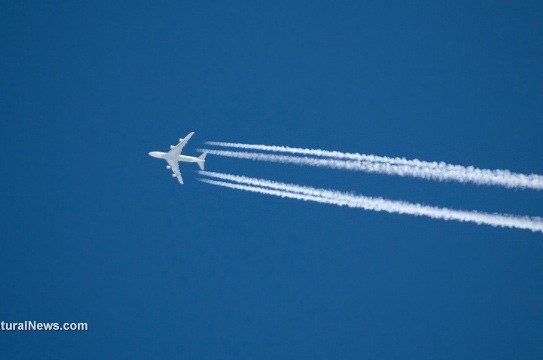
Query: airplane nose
{"type": "Point", "coordinates": [157, 154]}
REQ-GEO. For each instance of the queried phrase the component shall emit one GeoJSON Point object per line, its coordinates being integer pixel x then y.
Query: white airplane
{"type": "Point", "coordinates": [173, 157]}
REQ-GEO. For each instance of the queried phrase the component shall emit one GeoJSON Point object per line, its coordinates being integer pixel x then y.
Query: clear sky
{"type": "Point", "coordinates": [94, 230]}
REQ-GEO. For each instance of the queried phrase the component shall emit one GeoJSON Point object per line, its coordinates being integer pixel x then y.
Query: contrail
{"type": "Point", "coordinates": [424, 169]}
{"type": "Point", "coordinates": [370, 203]}
{"type": "Point", "coordinates": [309, 161]}
{"type": "Point", "coordinates": [469, 175]}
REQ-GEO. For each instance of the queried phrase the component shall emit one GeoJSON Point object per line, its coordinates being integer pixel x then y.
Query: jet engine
{"type": "Point", "coordinates": [171, 147]}
{"type": "Point", "coordinates": [168, 167]}
{"type": "Point", "coordinates": [173, 175]}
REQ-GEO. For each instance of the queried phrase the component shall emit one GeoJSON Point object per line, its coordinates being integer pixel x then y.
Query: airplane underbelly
{"type": "Point", "coordinates": [187, 158]}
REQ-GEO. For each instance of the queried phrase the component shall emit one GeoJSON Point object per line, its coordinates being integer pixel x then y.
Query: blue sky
{"type": "Point", "coordinates": [94, 230]}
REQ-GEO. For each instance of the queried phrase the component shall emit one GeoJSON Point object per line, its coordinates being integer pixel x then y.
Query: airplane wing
{"type": "Point", "coordinates": [179, 147]}
{"type": "Point", "coordinates": [175, 168]}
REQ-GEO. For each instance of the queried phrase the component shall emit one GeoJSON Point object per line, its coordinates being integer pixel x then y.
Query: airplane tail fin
{"type": "Point", "coordinates": [201, 161]}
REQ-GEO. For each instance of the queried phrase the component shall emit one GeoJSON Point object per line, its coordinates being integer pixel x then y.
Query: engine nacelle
{"type": "Point", "coordinates": [168, 167]}
{"type": "Point", "coordinates": [173, 175]}
{"type": "Point", "coordinates": [171, 147]}
{"type": "Point", "coordinates": [180, 140]}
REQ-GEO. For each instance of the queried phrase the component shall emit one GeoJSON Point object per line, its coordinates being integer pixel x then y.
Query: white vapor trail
{"type": "Point", "coordinates": [393, 166]}
{"type": "Point", "coordinates": [370, 203]}
{"type": "Point", "coordinates": [516, 181]}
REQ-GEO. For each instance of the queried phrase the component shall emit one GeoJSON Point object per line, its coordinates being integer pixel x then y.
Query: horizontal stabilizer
{"type": "Point", "coordinates": [201, 161]}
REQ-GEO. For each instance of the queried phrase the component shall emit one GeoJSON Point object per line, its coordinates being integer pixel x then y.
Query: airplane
{"type": "Point", "coordinates": [173, 157]}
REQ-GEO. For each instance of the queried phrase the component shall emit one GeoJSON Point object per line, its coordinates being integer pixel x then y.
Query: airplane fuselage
{"type": "Point", "coordinates": [182, 158]}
